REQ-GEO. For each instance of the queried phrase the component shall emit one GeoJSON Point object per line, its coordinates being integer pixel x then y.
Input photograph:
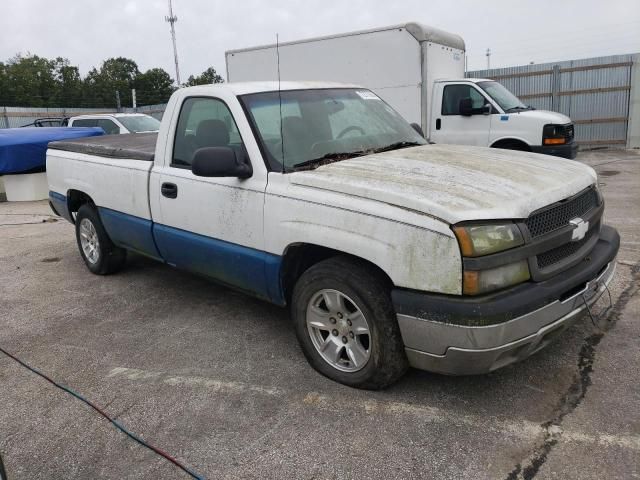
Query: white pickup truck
{"type": "Point", "coordinates": [388, 251]}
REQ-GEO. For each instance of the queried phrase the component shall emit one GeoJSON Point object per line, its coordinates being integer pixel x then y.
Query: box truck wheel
{"type": "Point", "coordinates": [346, 325]}
{"type": "Point", "coordinates": [100, 255]}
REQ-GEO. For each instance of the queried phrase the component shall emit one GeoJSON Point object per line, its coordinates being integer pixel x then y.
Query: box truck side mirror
{"type": "Point", "coordinates": [465, 107]}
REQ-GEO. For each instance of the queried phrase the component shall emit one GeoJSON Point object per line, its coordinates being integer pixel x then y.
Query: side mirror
{"type": "Point", "coordinates": [418, 129]}
{"type": "Point", "coordinates": [486, 109]}
{"type": "Point", "coordinates": [465, 107]}
{"type": "Point", "coordinates": [219, 162]}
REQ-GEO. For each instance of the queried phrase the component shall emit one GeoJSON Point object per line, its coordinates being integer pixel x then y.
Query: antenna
{"type": "Point", "coordinates": [280, 98]}
{"type": "Point", "coordinates": [172, 19]}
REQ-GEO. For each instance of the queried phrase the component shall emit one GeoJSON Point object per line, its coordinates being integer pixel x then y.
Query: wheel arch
{"type": "Point", "coordinates": [75, 199]}
{"type": "Point", "coordinates": [299, 257]}
{"type": "Point", "coordinates": [510, 142]}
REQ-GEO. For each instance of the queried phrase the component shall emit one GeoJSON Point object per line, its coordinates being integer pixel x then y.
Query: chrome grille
{"type": "Point", "coordinates": [559, 215]}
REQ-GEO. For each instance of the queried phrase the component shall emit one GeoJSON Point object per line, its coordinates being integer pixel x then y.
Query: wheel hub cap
{"type": "Point", "coordinates": [89, 241]}
{"type": "Point", "coordinates": [339, 330]}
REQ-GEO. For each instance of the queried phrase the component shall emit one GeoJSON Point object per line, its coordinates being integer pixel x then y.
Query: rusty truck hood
{"type": "Point", "coordinates": [454, 183]}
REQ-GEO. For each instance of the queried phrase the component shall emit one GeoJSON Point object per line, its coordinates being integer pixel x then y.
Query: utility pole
{"type": "Point", "coordinates": [488, 57]}
{"type": "Point", "coordinates": [172, 19]}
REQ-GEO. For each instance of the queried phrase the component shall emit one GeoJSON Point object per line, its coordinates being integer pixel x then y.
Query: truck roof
{"type": "Point", "coordinates": [472, 80]}
{"type": "Point", "coordinates": [421, 32]}
{"type": "Point", "coordinates": [244, 88]}
{"type": "Point", "coordinates": [114, 114]}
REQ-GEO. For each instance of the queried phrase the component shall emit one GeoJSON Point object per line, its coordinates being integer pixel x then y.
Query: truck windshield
{"type": "Point", "coordinates": [140, 123]}
{"type": "Point", "coordinates": [309, 128]}
{"type": "Point", "coordinates": [503, 97]}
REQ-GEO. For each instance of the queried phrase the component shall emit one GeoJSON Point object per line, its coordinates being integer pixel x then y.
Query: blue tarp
{"type": "Point", "coordinates": [23, 150]}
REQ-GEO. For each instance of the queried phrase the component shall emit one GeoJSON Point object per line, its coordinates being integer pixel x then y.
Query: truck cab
{"type": "Point", "coordinates": [482, 112]}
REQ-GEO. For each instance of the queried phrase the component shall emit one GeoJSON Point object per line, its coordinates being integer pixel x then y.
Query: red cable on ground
{"type": "Point", "coordinates": [117, 424]}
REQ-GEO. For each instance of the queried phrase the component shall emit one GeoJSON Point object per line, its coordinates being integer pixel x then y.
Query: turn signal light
{"type": "Point", "coordinates": [555, 141]}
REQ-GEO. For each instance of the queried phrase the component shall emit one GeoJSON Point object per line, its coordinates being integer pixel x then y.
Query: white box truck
{"type": "Point", "coordinates": [419, 71]}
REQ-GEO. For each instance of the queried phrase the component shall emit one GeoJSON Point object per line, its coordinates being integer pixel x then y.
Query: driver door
{"type": "Point", "coordinates": [211, 226]}
{"type": "Point", "coordinates": [453, 128]}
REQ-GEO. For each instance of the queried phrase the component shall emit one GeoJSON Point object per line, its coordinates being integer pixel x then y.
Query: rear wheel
{"type": "Point", "coordinates": [100, 255]}
{"type": "Point", "coordinates": [346, 324]}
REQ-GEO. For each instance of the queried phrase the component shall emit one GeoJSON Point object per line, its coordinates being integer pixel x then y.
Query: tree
{"type": "Point", "coordinates": [29, 81]}
{"type": "Point", "coordinates": [207, 77]}
{"type": "Point", "coordinates": [154, 86]}
{"type": "Point", "coordinates": [115, 75]}
{"type": "Point", "coordinates": [4, 86]}
{"type": "Point", "coordinates": [68, 83]}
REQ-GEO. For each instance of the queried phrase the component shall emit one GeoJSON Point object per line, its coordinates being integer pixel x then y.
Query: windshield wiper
{"type": "Point", "coordinates": [338, 156]}
{"type": "Point", "coordinates": [395, 146]}
{"type": "Point", "coordinates": [326, 159]}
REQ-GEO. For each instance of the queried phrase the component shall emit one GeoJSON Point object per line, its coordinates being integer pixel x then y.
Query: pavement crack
{"type": "Point", "coordinates": [528, 468]}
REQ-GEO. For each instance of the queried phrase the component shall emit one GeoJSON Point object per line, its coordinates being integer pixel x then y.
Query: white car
{"type": "Point", "coordinates": [388, 251]}
{"type": "Point", "coordinates": [117, 123]}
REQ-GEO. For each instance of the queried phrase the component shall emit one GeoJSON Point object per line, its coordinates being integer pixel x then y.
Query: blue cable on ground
{"type": "Point", "coordinates": [118, 425]}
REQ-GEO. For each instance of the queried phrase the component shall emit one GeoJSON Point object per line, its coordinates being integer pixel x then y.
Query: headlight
{"type": "Point", "coordinates": [483, 281]}
{"type": "Point", "coordinates": [480, 240]}
{"type": "Point", "coordinates": [477, 240]}
{"type": "Point", "coordinates": [554, 135]}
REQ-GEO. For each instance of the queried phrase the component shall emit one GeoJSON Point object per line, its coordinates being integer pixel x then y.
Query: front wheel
{"type": "Point", "coordinates": [346, 324]}
{"type": "Point", "coordinates": [100, 255]}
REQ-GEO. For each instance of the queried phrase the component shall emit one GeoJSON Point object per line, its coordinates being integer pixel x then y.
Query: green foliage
{"type": "Point", "coordinates": [28, 79]}
{"type": "Point", "coordinates": [33, 81]}
{"type": "Point", "coordinates": [153, 86]}
{"type": "Point", "coordinates": [207, 77]}
{"type": "Point", "coordinates": [115, 75]}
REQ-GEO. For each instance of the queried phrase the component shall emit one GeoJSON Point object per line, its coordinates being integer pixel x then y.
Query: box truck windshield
{"type": "Point", "coordinates": [305, 128]}
{"type": "Point", "coordinates": [503, 97]}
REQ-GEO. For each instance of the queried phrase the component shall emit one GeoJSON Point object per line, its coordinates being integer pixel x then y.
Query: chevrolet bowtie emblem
{"type": "Point", "coordinates": [580, 228]}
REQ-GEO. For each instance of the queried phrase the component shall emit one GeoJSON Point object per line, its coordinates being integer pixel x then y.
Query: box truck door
{"type": "Point", "coordinates": [461, 115]}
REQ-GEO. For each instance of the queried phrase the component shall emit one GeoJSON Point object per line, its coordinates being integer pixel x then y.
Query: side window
{"type": "Point", "coordinates": [84, 122]}
{"type": "Point", "coordinates": [109, 127]}
{"type": "Point", "coordinates": [454, 93]}
{"type": "Point", "coordinates": [204, 122]}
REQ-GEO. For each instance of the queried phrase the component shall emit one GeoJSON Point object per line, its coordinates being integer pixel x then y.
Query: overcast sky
{"type": "Point", "coordinates": [89, 31]}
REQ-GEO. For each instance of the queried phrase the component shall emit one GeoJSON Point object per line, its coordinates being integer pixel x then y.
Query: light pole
{"type": "Point", "coordinates": [488, 56]}
{"type": "Point", "coordinates": [172, 19]}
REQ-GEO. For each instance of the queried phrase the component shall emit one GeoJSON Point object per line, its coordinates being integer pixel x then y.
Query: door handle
{"type": "Point", "coordinates": [438, 124]}
{"type": "Point", "coordinates": [169, 190]}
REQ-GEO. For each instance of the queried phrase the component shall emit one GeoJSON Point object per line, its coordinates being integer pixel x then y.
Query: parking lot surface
{"type": "Point", "coordinates": [217, 379]}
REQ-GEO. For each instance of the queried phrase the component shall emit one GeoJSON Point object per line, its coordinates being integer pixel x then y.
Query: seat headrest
{"type": "Point", "coordinates": [212, 133]}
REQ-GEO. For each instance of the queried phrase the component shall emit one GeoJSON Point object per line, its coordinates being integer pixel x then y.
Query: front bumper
{"type": "Point", "coordinates": [568, 150]}
{"type": "Point", "coordinates": [463, 336]}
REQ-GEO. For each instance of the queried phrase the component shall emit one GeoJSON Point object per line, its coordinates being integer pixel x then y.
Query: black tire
{"type": "Point", "coordinates": [369, 292]}
{"type": "Point", "coordinates": [110, 258]}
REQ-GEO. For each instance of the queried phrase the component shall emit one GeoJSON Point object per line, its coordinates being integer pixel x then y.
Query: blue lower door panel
{"type": "Point", "coordinates": [128, 231]}
{"type": "Point", "coordinates": [251, 270]}
{"type": "Point", "coordinates": [59, 204]}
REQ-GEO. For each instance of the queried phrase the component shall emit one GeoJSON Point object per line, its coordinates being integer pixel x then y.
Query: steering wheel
{"type": "Point", "coordinates": [350, 129]}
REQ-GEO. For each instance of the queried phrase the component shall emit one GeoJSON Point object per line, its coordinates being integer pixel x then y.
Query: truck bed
{"type": "Point", "coordinates": [134, 146]}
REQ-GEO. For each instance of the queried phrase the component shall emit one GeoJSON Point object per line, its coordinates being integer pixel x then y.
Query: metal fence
{"type": "Point", "coordinates": [12, 117]}
{"type": "Point", "coordinates": [594, 92]}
